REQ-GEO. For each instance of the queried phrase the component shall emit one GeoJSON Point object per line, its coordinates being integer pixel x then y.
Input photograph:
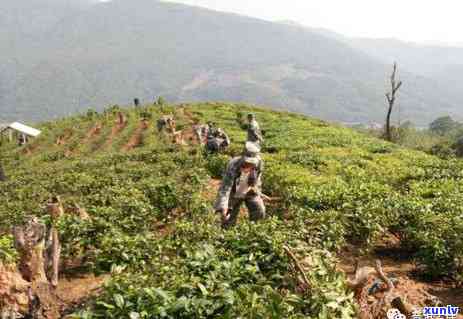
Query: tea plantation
{"type": "Point", "coordinates": [152, 226]}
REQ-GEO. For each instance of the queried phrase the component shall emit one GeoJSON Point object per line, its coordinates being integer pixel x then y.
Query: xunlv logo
{"type": "Point", "coordinates": [426, 313]}
{"type": "Point", "coordinates": [449, 311]}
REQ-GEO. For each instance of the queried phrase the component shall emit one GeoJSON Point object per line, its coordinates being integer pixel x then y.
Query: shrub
{"type": "Point", "coordinates": [8, 254]}
{"type": "Point", "coordinates": [216, 164]}
{"type": "Point", "coordinates": [443, 150]}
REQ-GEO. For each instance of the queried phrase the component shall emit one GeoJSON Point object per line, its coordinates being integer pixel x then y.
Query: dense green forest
{"type": "Point", "coordinates": [151, 227]}
{"type": "Point", "coordinates": [443, 137]}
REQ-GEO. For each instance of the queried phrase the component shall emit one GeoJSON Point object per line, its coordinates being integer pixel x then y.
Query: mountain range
{"type": "Point", "coordinates": [65, 56]}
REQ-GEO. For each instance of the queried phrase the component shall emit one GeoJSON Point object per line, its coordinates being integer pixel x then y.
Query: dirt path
{"type": "Point", "coordinates": [63, 139]}
{"type": "Point", "coordinates": [31, 148]}
{"type": "Point", "coordinates": [183, 112]}
{"type": "Point", "coordinates": [398, 264]}
{"type": "Point", "coordinates": [94, 131]}
{"type": "Point", "coordinates": [136, 138]}
{"type": "Point", "coordinates": [73, 292]}
{"type": "Point", "coordinates": [189, 116]}
{"type": "Point", "coordinates": [117, 128]}
{"type": "Point", "coordinates": [28, 151]}
{"type": "Point", "coordinates": [188, 137]}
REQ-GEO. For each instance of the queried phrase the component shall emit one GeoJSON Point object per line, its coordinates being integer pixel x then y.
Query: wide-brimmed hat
{"type": "Point", "coordinates": [251, 149]}
{"type": "Point", "coordinates": [251, 153]}
{"type": "Point", "coordinates": [251, 160]}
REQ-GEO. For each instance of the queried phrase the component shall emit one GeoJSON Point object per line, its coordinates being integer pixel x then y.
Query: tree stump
{"type": "Point", "coordinates": [39, 249]}
{"type": "Point", "coordinates": [13, 292]}
{"type": "Point", "coordinates": [30, 243]}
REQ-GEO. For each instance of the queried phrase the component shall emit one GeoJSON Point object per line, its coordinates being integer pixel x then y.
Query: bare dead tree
{"type": "Point", "coordinates": [391, 96]}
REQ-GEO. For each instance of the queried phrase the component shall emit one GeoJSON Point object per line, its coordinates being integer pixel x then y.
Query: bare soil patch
{"type": "Point", "coordinates": [63, 139]}
{"type": "Point", "coordinates": [136, 139]}
{"type": "Point", "coordinates": [73, 292]}
{"type": "Point", "coordinates": [399, 266]}
{"type": "Point", "coordinates": [94, 131]}
{"type": "Point", "coordinates": [117, 128]}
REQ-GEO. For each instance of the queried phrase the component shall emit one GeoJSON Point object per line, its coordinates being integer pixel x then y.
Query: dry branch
{"type": "Point", "coordinates": [298, 266]}
{"type": "Point", "coordinates": [383, 277]}
{"type": "Point", "coordinates": [360, 276]}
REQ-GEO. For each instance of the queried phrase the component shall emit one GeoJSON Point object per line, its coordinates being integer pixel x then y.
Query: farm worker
{"type": "Point", "coordinates": [201, 132]}
{"type": "Point", "coordinates": [22, 140]}
{"type": "Point", "coordinates": [171, 124]}
{"type": "Point", "coordinates": [162, 123]}
{"type": "Point", "coordinates": [254, 133]}
{"type": "Point", "coordinates": [217, 141]}
{"type": "Point", "coordinates": [166, 121]}
{"type": "Point", "coordinates": [211, 130]}
{"type": "Point", "coordinates": [242, 182]}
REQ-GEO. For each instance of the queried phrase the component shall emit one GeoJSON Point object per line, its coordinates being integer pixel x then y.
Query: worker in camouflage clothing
{"type": "Point", "coordinates": [254, 133]}
{"type": "Point", "coordinates": [211, 130]}
{"type": "Point", "coordinates": [200, 132]}
{"type": "Point", "coordinates": [166, 121]}
{"type": "Point", "coordinates": [242, 183]}
{"type": "Point", "coordinates": [218, 141]}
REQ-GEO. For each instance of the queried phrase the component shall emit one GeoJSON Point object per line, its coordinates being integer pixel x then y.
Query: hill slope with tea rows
{"type": "Point", "coordinates": [151, 223]}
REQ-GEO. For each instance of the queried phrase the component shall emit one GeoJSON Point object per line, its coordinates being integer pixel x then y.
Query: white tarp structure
{"type": "Point", "coordinates": [23, 129]}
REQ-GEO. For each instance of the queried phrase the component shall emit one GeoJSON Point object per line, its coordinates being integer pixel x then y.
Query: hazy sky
{"type": "Point", "coordinates": [436, 21]}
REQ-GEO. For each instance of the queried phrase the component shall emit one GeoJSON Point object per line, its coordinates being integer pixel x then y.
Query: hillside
{"type": "Point", "coordinates": [152, 230]}
{"type": "Point", "coordinates": [72, 57]}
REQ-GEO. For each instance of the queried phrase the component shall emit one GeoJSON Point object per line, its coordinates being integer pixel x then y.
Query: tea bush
{"type": "Point", "coordinates": [202, 273]}
{"type": "Point", "coordinates": [150, 212]}
{"type": "Point", "coordinates": [8, 254]}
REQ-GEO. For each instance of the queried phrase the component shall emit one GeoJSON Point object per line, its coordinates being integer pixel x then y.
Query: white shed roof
{"type": "Point", "coordinates": [24, 129]}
